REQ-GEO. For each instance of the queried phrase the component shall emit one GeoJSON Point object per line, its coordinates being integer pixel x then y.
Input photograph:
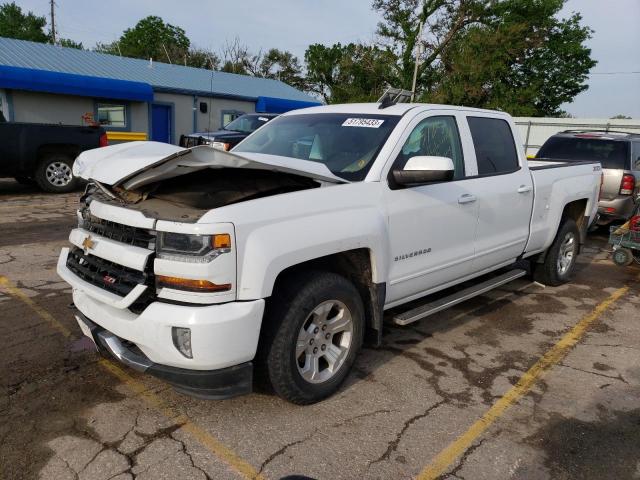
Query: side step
{"type": "Point", "coordinates": [436, 306]}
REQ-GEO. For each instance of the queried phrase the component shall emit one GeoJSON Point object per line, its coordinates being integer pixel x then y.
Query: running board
{"type": "Point", "coordinates": [436, 306]}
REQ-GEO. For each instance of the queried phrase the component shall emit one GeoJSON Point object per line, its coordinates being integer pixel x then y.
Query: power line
{"type": "Point", "coordinates": [614, 73]}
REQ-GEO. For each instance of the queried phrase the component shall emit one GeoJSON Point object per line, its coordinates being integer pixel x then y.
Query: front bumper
{"type": "Point", "coordinates": [210, 384]}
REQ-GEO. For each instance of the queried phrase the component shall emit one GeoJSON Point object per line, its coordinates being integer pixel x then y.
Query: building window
{"type": "Point", "coordinates": [229, 116]}
{"type": "Point", "coordinates": [112, 115]}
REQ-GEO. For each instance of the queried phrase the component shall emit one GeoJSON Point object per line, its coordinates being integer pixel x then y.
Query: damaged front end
{"type": "Point", "coordinates": [171, 183]}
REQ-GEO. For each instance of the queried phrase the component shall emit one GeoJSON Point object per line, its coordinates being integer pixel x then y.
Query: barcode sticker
{"type": "Point", "coordinates": [363, 122]}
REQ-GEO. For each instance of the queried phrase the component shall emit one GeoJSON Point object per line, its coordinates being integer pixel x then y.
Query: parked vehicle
{"type": "Point", "coordinates": [195, 264]}
{"type": "Point", "coordinates": [619, 155]}
{"type": "Point", "coordinates": [44, 154]}
{"type": "Point", "coordinates": [230, 135]}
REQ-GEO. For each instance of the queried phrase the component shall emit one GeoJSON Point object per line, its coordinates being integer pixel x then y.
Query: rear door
{"type": "Point", "coordinates": [504, 189]}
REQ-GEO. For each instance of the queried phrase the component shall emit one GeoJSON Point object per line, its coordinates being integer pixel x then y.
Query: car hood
{"type": "Point", "coordinates": [134, 164]}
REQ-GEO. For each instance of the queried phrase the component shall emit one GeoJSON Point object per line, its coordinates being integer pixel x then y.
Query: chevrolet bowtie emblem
{"type": "Point", "coordinates": [87, 243]}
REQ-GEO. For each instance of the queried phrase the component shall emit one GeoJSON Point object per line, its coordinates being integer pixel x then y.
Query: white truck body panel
{"type": "Point", "coordinates": [420, 239]}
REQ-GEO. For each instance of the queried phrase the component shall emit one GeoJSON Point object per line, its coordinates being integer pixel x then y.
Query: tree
{"type": "Point", "coordinates": [67, 42]}
{"type": "Point", "coordinates": [348, 73]}
{"type": "Point", "coordinates": [521, 58]}
{"type": "Point", "coordinates": [202, 58]}
{"type": "Point", "coordinates": [516, 55]}
{"type": "Point", "coordinates": [620, 117]}
{"type": "Point", "coordinates": [283, 66]}
{"type": "Point", "coordinates": [22, 26]}
{"type": "Point", "coordinates": [401, 25]}
{"type": "Point", "coordinates": [150, 38]}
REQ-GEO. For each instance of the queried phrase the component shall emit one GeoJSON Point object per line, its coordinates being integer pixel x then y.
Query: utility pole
{"type": "Point", "coordinates": [418, 53]}
{"type": "Point", "coordinates": [53, 21]}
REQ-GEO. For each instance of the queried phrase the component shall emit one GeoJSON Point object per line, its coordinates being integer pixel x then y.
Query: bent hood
{"type": "Point", "coordinates": [134, 164]}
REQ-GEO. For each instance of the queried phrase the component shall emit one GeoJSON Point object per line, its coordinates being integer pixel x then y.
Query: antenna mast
{"type": "Point", "coordinates": [53, 21]}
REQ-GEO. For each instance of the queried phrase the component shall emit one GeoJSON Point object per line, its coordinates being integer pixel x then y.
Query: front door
{"type": "Point", "coordinates": [432, 227]}
{"type": "Point", "coordinates": [161, 123]}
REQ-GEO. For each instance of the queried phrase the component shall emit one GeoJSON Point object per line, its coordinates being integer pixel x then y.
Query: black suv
{"type": "Point", "coordinates": [231, 134]}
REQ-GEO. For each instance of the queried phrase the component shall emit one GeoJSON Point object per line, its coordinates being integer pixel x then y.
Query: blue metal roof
{"type": "Point", "coordinates": [161, 76]}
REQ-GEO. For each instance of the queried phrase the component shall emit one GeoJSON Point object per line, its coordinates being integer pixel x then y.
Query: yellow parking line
{"type": "Point", "coordinates": [446, 457]}
{"type": "Point", "coordinates": [214, 445]}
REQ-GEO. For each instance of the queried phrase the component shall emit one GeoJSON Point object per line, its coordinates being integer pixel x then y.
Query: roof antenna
{"type": "Point", "coordinates": [167, 54]}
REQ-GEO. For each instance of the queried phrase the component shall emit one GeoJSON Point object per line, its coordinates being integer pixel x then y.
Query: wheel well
{"type": "Point", "coordinates": [356, 266]}
{"type": "Point", "coordinates": [576, 210]}
{"type": "Point", "coordinates": [67, 149]}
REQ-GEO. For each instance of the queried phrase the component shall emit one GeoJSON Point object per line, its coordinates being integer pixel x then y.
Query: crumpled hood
{"type": "Point", "coordinates": [134, 164]}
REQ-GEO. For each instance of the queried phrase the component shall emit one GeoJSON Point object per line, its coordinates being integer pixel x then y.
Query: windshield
{"type": "Point", "coordinates": [610, 153]}
{"type": "Point", "coordinates": [247, 123]}
{"type": "Point", "coordinates": [346, 143]}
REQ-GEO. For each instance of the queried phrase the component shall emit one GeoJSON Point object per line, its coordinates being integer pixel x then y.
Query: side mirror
{"type": "Point", "coordinates": [424, 169]}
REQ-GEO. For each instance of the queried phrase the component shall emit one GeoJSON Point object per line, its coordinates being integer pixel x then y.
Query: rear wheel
{"type": "Point", "coordinates": [314, 326]}
{"type": "Point", "coordinates": [54, 173]}
{"type": "Point", "coordinates": [560, 259]}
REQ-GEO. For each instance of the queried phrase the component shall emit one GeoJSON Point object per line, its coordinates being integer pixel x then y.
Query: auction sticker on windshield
{"type": "Point", "coordinates": [363, 122]}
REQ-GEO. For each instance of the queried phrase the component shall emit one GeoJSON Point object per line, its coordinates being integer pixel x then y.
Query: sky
{"type": "Point", "coordinates": [294, 24]}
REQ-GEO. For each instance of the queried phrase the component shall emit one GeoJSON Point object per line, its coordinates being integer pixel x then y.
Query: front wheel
{"type": "Point", "coordinates": [560, 260]}
{"type": "Point", "coordinates": [314, 327]}
{"type": "Point", "coordinates": [54, 174]}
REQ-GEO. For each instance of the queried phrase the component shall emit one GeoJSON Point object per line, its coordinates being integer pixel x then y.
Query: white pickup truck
{"type": "Point", "coordinates": [197, 265]}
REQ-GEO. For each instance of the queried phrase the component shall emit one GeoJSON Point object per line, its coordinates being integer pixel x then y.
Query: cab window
{"type": "Point", "coordinates": [434, 136]}
{"type": "Point", "coordinates": [493, 142]}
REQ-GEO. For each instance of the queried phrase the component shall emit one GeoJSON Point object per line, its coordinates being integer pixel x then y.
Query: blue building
{"type": "Point", "coordinates": [132, 98]}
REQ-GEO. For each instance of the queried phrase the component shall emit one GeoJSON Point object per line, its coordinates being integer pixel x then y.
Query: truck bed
{"type": "Point", "coordinates": [557, 183]}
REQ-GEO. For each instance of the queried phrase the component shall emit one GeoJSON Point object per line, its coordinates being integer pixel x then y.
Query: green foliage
{"type": "Point", "coordinates": [521, 59]}
{"type": "Point", "coordinates": [348, 73]}
{"type": "Point", "coordinates": [151, 38]}
{"type": "Point", "coordinates": [620, 116]}
{"type": "Point", "coordinates": [283, 66]}
{"type": "Point", "coordinates": [23, 26]}
{"type": "Point", "coordinates": [67, 42]}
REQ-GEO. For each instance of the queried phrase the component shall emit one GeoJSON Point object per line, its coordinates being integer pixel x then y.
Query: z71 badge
{"type": "Point", "coordinates": [412, 254]}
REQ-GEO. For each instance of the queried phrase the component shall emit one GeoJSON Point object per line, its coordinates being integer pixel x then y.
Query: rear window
{"type": "Point", "coordinates": [610, 153]}
{"type": "Point", "coordinates": [495, 149]}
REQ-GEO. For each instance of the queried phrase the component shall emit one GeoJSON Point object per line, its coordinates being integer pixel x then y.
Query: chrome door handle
{"type": "Point", "coordinates": [525, 188]}
{"type": "Point", "coordinates": [466, 198]}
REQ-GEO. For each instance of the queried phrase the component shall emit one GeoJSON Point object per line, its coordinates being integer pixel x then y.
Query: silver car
{"type": "Point", "coordinates": [619, 155]}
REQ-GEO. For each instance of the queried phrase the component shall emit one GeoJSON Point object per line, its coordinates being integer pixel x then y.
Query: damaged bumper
{"type": "Point", "coordinates": [210, 384]}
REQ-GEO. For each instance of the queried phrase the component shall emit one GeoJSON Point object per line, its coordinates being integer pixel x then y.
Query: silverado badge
{"type": "Point", "coordinates": [87, 244]}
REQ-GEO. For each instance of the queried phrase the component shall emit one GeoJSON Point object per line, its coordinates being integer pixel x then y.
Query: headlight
{"type": "Point", "coordinates": [192, 248]}
{"type": "Point", "coordinates": [221, 146]}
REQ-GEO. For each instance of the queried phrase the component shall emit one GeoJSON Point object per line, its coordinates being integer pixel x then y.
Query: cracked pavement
{"type": "Point", "coordinates": [64, 417]}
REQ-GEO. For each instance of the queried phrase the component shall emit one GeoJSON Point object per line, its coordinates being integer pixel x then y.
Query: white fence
{"type": "Point", "coordinates": [534, 131]}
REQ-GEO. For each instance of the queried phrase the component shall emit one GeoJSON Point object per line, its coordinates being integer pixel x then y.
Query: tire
{"type": "Point", "coordinates": [623, 257]}
{"type": "Point", "coordinates": [54, 173]}
{"type": "Point", "coordinates": [560, 260]}
{"type": "Point", "coordinates": [24, 180]}
{"type": "Point", "coordinates": [297, 314]}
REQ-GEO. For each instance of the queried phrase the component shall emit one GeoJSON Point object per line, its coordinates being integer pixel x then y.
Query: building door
{"type": "Point", "coordinates": [161, 123]}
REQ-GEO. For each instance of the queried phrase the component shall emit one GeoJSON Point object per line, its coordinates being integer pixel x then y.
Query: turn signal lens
{"type": "Point", "coordinates": [221, 241]}
{"type": "Point", "coordinates": [191, 285]}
